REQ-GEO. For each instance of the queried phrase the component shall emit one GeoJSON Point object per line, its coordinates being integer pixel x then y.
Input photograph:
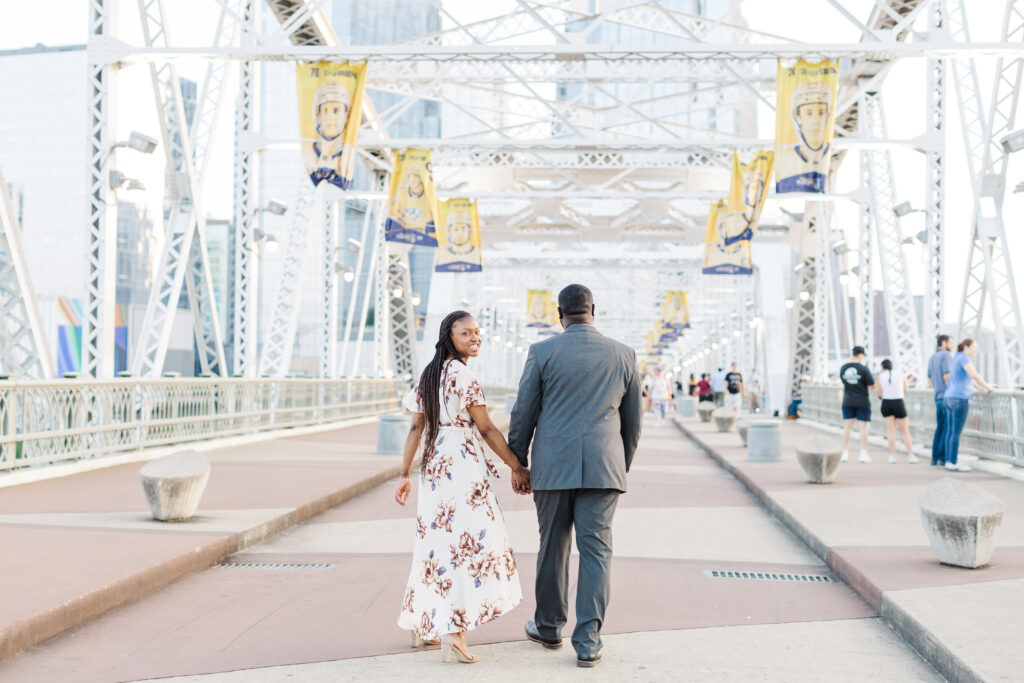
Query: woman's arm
{"type": "Point", "coordinates": [493, 436]}
{"type": "Point", "coordinates": [412, 444]}
{"type": "Point", "coordinates": [973, 374]}
{"type": "Point", "coordinates": [906, 386]}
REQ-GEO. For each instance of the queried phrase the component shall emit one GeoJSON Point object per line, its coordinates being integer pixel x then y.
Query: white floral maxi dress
{"type": "Point", "coordinates": [463, 568]}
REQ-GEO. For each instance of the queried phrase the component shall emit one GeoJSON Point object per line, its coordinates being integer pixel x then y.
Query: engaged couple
{"type": "Point", "coordinates": [575, 427]}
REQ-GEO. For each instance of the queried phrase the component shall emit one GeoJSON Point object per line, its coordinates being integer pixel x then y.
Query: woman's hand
{"type": "Point", "coordinates": [521, 480]}
{"type": "Point", "coordinates": [403, 491]}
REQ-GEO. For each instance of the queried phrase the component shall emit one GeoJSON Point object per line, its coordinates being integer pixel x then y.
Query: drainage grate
{"type": "Point", "coordinates": [769, 576]}
{"type": "Point", "coordinates": [277, 565]}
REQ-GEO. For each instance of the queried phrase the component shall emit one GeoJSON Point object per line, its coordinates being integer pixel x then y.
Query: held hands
{"type": "Point", "coordinates": [521, 481]}
{"type": "Point", "coordinates": [403, 491]}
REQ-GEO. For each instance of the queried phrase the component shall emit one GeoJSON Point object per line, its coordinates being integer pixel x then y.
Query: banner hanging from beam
{"type": "Point", "coordinates": [458, 238]}
{"type": "Point", "coordinates": [330, 113]}
{"type": "Point", "coordinates": [805, 121]}
{"type": "Point", "coordinates": [412, 202]}
{"type": "Point", "coordinates": [720, 258]}
{"type": "Point", "coordinates": [748, 188]}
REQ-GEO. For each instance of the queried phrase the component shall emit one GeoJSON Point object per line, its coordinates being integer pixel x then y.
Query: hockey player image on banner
{"type": "Point", "coordinates": [538, 305]}
{"type": "Point", "coordinates": [676, 310]}
{"type": "Point", "coordinates": [748, 188]}
{"type": "Point", "coordinates": [719, 258]}
{"type": "Point", "coordinates": [458, 239]}
{"type": "Point", "coordinates": [330, 113]}
{"type": "Point", "coordinates": [805, 120]}
{"type": "Point", "coordinates": [412, 204]}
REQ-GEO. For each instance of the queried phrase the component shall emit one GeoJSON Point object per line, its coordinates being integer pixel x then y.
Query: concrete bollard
{"type": "Point", "coordinates": [391, 433]}
{"type": "Point", "coordinates": [961, 521]}
{"type": "Point", "coordinates": [725, 418]}
{"type": "Point", "coordinates": [686, 406]}
{"type": "Point", "coordinates": [510, 403]}
{"type": "Point", "coordinates": [741, 429]}
{"type": "Point", "coordinates": [764, 440]}
{"type": "Point", "coordinates": [174, 484]}
{"type": "Point", "coordinates": [819, 458]}
{"type": "Point", "coordinates": [704, 409]}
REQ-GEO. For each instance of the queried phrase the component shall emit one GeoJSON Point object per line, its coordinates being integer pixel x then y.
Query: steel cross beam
{"type": "Point", "coordinates": [23, 348]}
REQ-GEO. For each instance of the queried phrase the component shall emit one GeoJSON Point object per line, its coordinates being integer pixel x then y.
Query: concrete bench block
{"type": "Point", "coordinates": [686, 406]}
{"type": "Point", "coordinates": [741, 429]}
{"type": "Point", "coordinates": [704, 409]}
{"type": "Point", "coordinates": [174, 484]}
{"type": "Point", "coordinates": [510, 403]}
{"type": "Point", "coordinates": [725, 418]}
{"type": "Point", "coordinates": [962, 521]}
{"type": "Point", "coordinates": [764, 440]}
{"type": "Point", "coordinates": [391, 433]}
{"type": "Point", "coordinates": [819, 458]}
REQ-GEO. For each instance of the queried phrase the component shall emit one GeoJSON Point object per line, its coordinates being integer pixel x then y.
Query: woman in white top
{"type": "Point", "coordinates": [891, 387]}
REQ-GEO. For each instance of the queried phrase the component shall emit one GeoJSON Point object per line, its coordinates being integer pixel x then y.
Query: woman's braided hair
{"type": "Point", "coordinates": [430, 382]}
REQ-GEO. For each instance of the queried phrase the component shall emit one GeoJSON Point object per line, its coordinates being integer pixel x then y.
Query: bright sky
{"type": "Point", "coordinates": [62, 22]}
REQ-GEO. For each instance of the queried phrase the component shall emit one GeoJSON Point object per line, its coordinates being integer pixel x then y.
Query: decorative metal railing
{"type": "Point", "coordinates": [59, 420]}
{"type": "Point", "coordinates": [994, 429]}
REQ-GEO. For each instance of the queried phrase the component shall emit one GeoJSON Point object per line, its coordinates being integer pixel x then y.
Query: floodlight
{"type": "Point", "coordinates": [804, 296]}
{"type": "Point", "coordinates": [138, 142]}
{"type": "Point", "coordinates": [1014, 142]}
{"type": "Point", "coordinates": [1019, 187]}
{"type": "Point", "coordinates": [268, 241]}
{"type": "Point", "coordinates": [397, 293]}
{"type": "Point", "coordinates": [355, 246]}
{"type": "Point", "coordinates": [789, 303]}
{"type": "Point", "coordinates": [276, 207]}
{"type": "Point", "coordinates": [922, 237]}
{"type": "Point", "coordinates": [348, 273]}
{"type": "Point", "coordinates": [415, 299]}
{"type": "Point", "coordinates": [902, 209]}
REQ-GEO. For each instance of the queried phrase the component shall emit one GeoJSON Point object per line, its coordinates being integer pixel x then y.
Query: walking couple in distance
{"type": "Point", "coordinates": [575, 427]}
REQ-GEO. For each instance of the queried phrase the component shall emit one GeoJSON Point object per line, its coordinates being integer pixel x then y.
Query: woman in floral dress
{"type": "Point", "coordinates": [463, 571]}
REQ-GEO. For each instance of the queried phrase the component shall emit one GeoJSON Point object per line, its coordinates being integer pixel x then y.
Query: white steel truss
{"type": "Point", "coordinates": [23, 349]}
{"type": "Point", "coordinates": [989, 279]}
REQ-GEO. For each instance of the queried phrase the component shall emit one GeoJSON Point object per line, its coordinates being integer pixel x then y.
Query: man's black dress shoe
{"type": "Point", "coordinates": [534, 635]}
{"type": "Point", "coordinates": [589, 660]}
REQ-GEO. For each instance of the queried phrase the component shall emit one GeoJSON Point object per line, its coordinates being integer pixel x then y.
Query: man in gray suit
{"type": "Point", "coordinates": [579, 402]}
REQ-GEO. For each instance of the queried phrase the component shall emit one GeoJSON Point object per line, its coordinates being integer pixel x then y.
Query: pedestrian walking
{"type": "Point", "coordinates": [938, 376]}
{"type": "Point", "coordinates": [892, 387]}
{"type": "Point", "coordinates": [704, 392]}
{"type": "Point", "coordinates": [962, 380]}
{"type": "Point", "coordinates": [754, 392]}
{"type": "Point", "coordinates": [857, 381]}
{"type": "Point", "coordinates": [734, 389]}
{"type": "Point", "coordinates": [718, 387]}
{"type": "Point", "coordinates": [693, 385]}
{"type": "Point", "coordinates": [661, 393]}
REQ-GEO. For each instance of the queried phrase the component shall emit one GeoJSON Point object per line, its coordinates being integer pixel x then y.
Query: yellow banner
{"type": "Point", "coordinates": [719, 258]}
{"type": "Point", "coordinates": [458, 238]}
{"type": "Point", "coordinates": [805, 121]}
{"type": "Point", "coordinates": [539, 308]}
{"type": "Point", "coordinates": [412, 204]}
{"type": "Point", "coordinates": [330, 113]}
{"type": "Point", "coordinates": [676, 309]}
{"type": "Point", "coordinates": [748, 188]}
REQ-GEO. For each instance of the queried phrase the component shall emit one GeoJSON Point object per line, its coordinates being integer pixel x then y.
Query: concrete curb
{"type": "Point", "coordinates": [26, 634]}
{"type": "Point", "coordinates": [929, 646]}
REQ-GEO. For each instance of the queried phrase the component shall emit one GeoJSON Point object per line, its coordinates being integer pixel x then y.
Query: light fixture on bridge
{"type": "Point", "coordinates": [397, 293]}
{"type": "Point", "coordinates": [416, 299]}
{"type": "Point", "coordinates": [922, 237]}
{"type": "Point", "coordinates": [275, 206]}
{"type": "Point", "coordinates": [903, 208]}
{"type": "Point", "coordinates": [844, 278]}
{"type": "Point", "coordinates": [397, 268]}
{"type": "Point", "coordinates": [138, 142]}
{"type": "Point", "coordinates": [268, 241]}
{"type": "Point", "coordinates": [355, 246]}
{"type": "Point", "coordinates": [855, 271]}
{"type": "Point", "coordinates": [519, 349]}
{"type": "Point", "coordinates": [1019, 187]}
{"type": "Point", "coordinates": [839, 247]}
{"type": "Point", "coordinates": [754, 322]}
{"type": "Point", "coordinates": [736, 333]}
{"type": "Point", "coordinates": [348, 273]}
{"type": "Point", "coordinates": [799, 267]}
{"type": "Point", "coordinates": [789, 303]}
{"type": "Point", "coordinates": [804, 296]}
{"type": "Point", "coordinates": [119, 181]}
{"type": "Point", "coordinates": [509, 344]}
{"type": "Point", "coordinates": [1014, 142]}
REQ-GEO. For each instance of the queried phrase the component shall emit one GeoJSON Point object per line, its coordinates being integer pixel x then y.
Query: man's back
{"type": "Point", "coordinates": [938, 368]}
{"type": "Point", "coordinates": [579, 402]}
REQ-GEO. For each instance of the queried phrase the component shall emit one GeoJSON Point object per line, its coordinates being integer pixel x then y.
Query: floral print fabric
{"type": "Point", "coordinates": [463, 569]}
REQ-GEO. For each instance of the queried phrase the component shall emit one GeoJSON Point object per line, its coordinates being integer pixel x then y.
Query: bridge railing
{"type": "Point", "coordinates": [994, 429]}
{"type": "Point", "coordinates": [60, 420]}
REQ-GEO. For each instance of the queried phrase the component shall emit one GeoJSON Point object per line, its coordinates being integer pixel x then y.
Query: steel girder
{"type": "Point", "coordinates": [382, 297]}
{"type": "Point", "coordinates": [98, 319]}
{"type": "Point", "coordinates": [935, 206]}
{"type": "Point", "coordinates": [23, 348]}
{"type": "Point", "coordinates": [329, 293]}
{"type": "Point", "coordinates": [401, 318]}
{"type": "Point", "coordinates": [989, 280]}
{"type": "Point", "coordinates": [900, 313]}
{"type": "Point", "coordinates": [185, 260]}
{"type": "Point", "coordinates": [804, 330]}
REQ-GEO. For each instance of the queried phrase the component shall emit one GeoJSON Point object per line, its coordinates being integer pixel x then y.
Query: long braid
{"type": "Point", "coordinates": [430, 382]}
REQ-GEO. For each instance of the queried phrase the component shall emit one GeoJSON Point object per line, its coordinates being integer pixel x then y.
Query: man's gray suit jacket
{"type": "Point", "coordinates": [579, 402]}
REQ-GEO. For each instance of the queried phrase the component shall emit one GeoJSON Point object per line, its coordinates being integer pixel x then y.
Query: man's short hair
{"type": "Point", "coordinates": [575, 300]}
{"type": "Point", "coordinates": [857, 351]}
{"type": "Point", "coordinates": [941, 339]}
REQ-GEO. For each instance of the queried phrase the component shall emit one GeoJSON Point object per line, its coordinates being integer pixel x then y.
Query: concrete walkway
{"type": "Point", "coordinates": [319, 602]}
{"type": "Point", "coordinates": [77, 546]}
{"type": "Point", "coordinates": [867, 527]}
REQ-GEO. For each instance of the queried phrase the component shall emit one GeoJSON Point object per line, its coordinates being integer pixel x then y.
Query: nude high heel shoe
{"type": "Point", "coordinates": [419, 642]}
{"type": "Point", "coordinates": [450, 653]}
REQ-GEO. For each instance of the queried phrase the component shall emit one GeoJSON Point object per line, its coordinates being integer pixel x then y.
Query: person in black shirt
{"type": "Point", "coordinates": [734, 389]}
{"type": "Point", "coordinates": [857, 381]}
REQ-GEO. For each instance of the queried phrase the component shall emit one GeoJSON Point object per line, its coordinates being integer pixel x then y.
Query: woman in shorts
{"type": "Point", "coordinates": [891, 387]}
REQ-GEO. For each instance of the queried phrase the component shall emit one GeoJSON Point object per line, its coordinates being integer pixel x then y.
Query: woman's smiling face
{"type": "Point", "coordinates": [466, 337]}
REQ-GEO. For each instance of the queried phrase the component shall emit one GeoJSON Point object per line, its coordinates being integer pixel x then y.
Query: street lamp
{"type": "Point", "coordinates": [415, 299]}
{"type": "Point", "coordinates": [348, 273]}
{"type": "Point", "coordinates": [138, 142]}
{"type": "Point", "coordinates": [903, 208]}
{"type": "Point", "coordinates": [268, 241]}
{"type": "Point", "coordinates": [1014, 142]}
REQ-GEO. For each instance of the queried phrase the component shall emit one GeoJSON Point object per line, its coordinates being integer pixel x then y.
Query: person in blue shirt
{"type": "Point", "coordinates": [718, 387]}
{"type": "Point", "coordinates": [938, 377]}
{"type": "Point", "coordinates": [962, 380]}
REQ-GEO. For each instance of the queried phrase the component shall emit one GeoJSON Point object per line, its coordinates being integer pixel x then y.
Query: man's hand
{"type": "Point", "coordinates": [521, 481]}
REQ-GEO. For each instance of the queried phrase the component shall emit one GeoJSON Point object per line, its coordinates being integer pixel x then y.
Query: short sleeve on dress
{"type": "Point", "coordinates": [470, 392]}
{"type": "Point", "coordinates": [411, 402]}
